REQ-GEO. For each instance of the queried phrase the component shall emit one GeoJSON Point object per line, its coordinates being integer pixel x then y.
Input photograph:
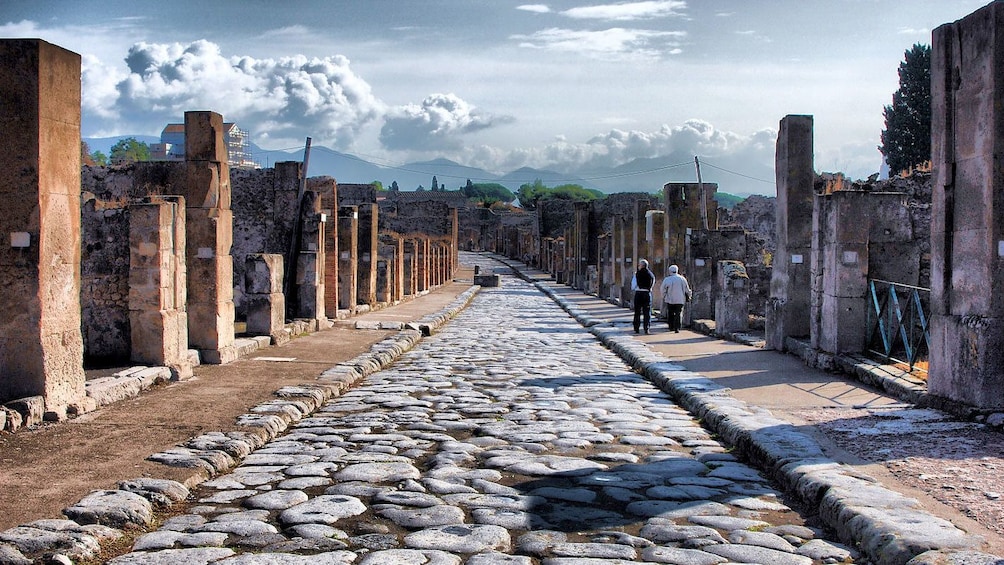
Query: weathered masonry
{"type": "Point", "coordinates": [159, 263]}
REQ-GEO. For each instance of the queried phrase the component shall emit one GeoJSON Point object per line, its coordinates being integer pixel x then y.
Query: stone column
{"type": "Point", "coordinates": [367, 255]}
{"type": "Point", "coordinates": [310, 262]}
{"type": "Point", "coordinates": [158, 320]}
{"type": "Point", "coordinates": [263, 273]}
{"type": "Point", "coordinates": [41, 348]}
{"type": "Point", "coordinates": [328, 189]}
{"type": "Point", "coordinates": [788, 307]}
{"type": "Point", "coordinates": [422, 258]}
{"type": "Point", "coordinates": [655, 227]}
{"type": "Point", "coordinates": [967, 211]}
{"type": "Point", "coordinates": [209, 237]}
{"type": "Point", "coordinates": [348, 223]}
{"type": "Point", "coordinates": [839, 267]}
{"type": "Point", "coordinates": [410, 267]}
{"type": "Point", "coordinates": [392, 249]}
{"type": "Point", "coordinates": [580, 254]}
{"type": "Point", "coordinates": [732, 302]}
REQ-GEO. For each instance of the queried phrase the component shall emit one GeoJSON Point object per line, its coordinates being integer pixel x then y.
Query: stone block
{"type": "Point", "coordinates": [221, 356]}
{"type": "Point", "coordinates": [266, 313]}
{"type": "Point", "coordinates": [157, 337]}
{"type": "Point", "coordinates": [210, 280]}
{"type": "Point", "coordinates": [209, 232]}
{"type": "Point", "coordinates": [31, 409]}
{"type": "Point", "coordinates": [204, 137]}
{"type": "Point", "coordinates": [211, 325]}
{"type": "Point", "coordinates": [263, 273]}
{"type": "Point", "coordinates": [207, 185]}
{"type": "Point", "coordinates": [488, 281]}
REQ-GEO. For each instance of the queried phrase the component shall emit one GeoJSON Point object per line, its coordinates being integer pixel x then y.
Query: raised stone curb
{"type": "Point", "coordinates": [887, 526]}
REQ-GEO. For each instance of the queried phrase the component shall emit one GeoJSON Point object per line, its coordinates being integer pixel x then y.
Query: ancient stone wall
{"type": "Point", "coordinates": [104, 282]}
{"type": "Point", "coordinates": [264, 204]}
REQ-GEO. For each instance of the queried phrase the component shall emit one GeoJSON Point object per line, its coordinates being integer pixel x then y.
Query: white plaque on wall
{"type": "Point", "coordinates": [850, 258]}
{"type": "Point", "coordinates": [698, 262]}
{"type": "Point", "coordinates": [796, 259]}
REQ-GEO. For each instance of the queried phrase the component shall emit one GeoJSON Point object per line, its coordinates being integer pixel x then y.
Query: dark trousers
{"type": "Point", "coordinates": [673, 312]}
{"type": "Point", "coordinates": [642, 307]}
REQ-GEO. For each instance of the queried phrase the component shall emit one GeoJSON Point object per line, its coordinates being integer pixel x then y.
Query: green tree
{"type": "Point", "coordinates": [378, 185]}
{"type": "Point", "coordinates": [906, 140]}
{"type": "Point", "coordinates": [130, 150]}
{"type": "Point", "coordinates": [435, 184]}
{"type": "Point", "coordinates": [99, 159]}
{"type": "Point", "coordinates": [488, 192]}
{"type": "Point", "coordinates": [528, 194]}
{"type": "Point", "coordinates": [394, 187]}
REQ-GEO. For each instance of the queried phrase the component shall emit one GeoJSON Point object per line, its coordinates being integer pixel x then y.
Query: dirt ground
{"type": "Point", "coordinates": [52, 466]}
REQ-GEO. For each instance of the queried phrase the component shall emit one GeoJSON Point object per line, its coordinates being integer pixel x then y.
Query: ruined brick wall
{"type": "Point", "coordinates": [264, 207]}
{"type": "Point", "coordinates": [104, 260]}
{"type": "Point", "coordinates": [104, 281]}
{"type": "Point", "coordinates": [356, 194]}
{"type": "Point", "coordinates": [756, 214]}
{"type": "Point", "coordinates": [555, 217]}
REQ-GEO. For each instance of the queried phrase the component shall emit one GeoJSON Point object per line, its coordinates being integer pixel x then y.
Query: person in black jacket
{"type": "Point", "coordinates": [642, 283]}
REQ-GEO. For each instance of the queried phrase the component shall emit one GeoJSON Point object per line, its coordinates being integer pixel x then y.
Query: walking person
{"type": "Point", "coordinates": [642, 284]}
{"type": "Point", "coordinates": [675, 293]}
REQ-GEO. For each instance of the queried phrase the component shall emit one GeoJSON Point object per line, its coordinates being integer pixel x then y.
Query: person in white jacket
{"type": "Point", "coordinates": [675, 293]}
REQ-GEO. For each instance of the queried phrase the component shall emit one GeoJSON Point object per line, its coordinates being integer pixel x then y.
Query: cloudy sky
{"type": "Point", "coordinates": [498, 84]}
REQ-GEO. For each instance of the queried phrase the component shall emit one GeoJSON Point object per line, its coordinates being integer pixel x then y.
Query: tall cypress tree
{"type": "Point", "coordinates": [906, 140]}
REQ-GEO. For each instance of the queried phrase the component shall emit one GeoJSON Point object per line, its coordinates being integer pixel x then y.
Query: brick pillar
{"type": "Point", "coordinates": [310, 262]}
{"type": "Point", "coordinates": [263, 274]}
{"type": "Point", "coordinates": [392, 249]}
{"type": "Point", "coordinates": [41, 348]}
{"type": "Point", "coordinates": [967, 210]}
{"type": "Point", "coordinates": [422, 259]}
{"type": "Point", "coordinates": [410, 270]}
{"type": "Point", "coordinates": [367, 255]}
{"type": "Point", "coordinates": [788, 307]}
{"type": "Point", "coordinates": [158, 319]}
{"type": "Point", "coordinates": [580, 254]}
{"type": "Point", "coordinates": [328, 189]}
{"type": "Point", "coordinates": [348, 223]}
{"type": "Point", "coordinates": [655, 226]}
{"type": "Point", "coordinates": [209, 236]}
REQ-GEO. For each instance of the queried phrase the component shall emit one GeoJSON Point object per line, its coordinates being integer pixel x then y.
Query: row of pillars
{"type": "Point", "coordinates": [181, 268]}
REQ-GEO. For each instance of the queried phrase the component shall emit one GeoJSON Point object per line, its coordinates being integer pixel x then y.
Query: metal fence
{"type": "Point", "coordinates": [898, 317]}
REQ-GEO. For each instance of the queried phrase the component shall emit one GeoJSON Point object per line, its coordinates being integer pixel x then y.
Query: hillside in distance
{"type": "Point", "coordinates": [640, 175]}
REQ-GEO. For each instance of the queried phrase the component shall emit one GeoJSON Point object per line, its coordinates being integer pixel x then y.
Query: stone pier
{"type": "Point", "coordinates": [788, 307]}
{"type": "Point", "coordinates": [366, 256]}
{"type": "Point", "coordinates": [41, 348]}
{"type": "Point", "coordinates": [209, 237]}
{"type": "Point", "coordinates": [266, 303]}
{"type": "Point", "coordinates": [348, 222]}
{"type": "Point", "coordinates": [158, 294]}
{"type": "Point", "coordinates": [732, 301]}
{"type": "Point", "coordinates": [967, 231]}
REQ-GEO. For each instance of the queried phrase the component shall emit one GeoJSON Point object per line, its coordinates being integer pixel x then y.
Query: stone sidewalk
{"type": "Point", "coordinates": [754, 398]}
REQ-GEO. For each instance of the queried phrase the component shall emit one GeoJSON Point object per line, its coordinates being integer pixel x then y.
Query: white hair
{"type": "Point", "coordinates": [673, 269]}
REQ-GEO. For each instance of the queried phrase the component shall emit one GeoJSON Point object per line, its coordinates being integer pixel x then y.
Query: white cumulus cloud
{"type": "Point", "coordinates": [436, 123]}
{"type": "Point", "coordinates": [536, 8]}
{"type": "Point", "coordinates": [627, 11]}
{"type": "Point", "coordinates": [288, 98]}
{"type": "Point", "coordinates": [613, 43]}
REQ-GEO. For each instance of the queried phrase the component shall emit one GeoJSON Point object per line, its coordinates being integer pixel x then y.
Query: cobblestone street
{"type": "Point", "coordinates": [512, 436]}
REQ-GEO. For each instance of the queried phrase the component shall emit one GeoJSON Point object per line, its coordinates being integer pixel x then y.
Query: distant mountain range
{"type": "Point", "coordinates": [639, 175]}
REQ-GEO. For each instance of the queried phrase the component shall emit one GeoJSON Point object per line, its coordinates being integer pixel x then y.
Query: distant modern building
{"type": "Point", "coordinates": [172, 145]}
